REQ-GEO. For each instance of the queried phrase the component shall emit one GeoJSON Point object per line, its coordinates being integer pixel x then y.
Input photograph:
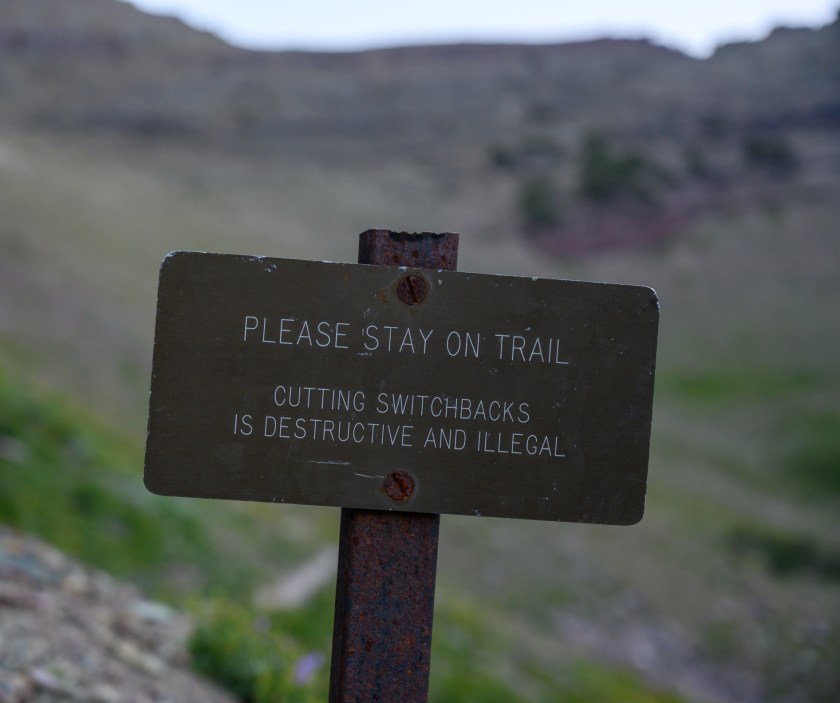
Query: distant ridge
{"type": "Point", "coordinates": [55, 25]}
{"type": "Point", "coordinates": [668, 135]}
{"type": "Point", "coordinates": [115, 68]}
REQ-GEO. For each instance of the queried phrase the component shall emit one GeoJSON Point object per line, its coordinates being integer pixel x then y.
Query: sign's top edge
{"type": "Point", "coordinates": [170, 256]}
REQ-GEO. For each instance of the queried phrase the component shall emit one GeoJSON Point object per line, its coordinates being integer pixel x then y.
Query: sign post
{"type": "Point", "coordinates": [399, 391]}
{"type": "Point", "coordinates": [385, 593]}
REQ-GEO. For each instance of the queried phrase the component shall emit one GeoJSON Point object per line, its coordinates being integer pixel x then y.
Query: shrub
{"type": "Point", "coordinates": [772, 153]}
{"type": "Point", "coordinates": [715, 127]}
{"type": "Point", "coordinates": [606, 173]}
{"type": "Point", "coordinates": [538, 204]}
{"type": "Point", "coordinates": [786, 555]}
{"type": "Point", "coordinates": [241, 650]}
{"type": "Point", "coordinates": [502, 157]}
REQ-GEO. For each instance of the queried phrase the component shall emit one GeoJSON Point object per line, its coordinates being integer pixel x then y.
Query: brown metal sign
{"type": "Point", "coordinates": [385, 388]}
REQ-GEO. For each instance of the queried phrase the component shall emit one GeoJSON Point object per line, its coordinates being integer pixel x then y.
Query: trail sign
{"type": "Point", "coordinates": [390, 388]}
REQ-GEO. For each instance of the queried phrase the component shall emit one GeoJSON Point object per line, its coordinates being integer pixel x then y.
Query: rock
{"type": "Point", "coordinates": [14, 597]}
{"type": "Point", "coordinates": [15, 689]}
{"type": "Point", "coordinates": [103, 693]}
{"type": "Point", "coordinates": [71, 633]}
{"type": "Point", "coordinates": [152, 612]}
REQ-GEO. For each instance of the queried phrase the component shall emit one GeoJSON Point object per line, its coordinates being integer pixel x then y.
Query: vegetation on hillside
{"type": "Point", "coordinates": [73, 482]}
{"type": "Point", "coordinates": [77, 483]}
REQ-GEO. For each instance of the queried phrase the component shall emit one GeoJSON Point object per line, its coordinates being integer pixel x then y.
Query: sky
{"type": "Point", "coordinates": [693, 27]}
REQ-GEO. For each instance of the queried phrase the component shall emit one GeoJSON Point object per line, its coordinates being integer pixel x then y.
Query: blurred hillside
{"type": "Point", "coordinates": [717, 181]}
{"type": "Point", "coordinates": [99, 65]}
{"type": "Point", "coordinates": [138, 134]}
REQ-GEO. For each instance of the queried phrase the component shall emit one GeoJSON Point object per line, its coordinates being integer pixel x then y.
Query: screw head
{"type": "Point", "coordinates": [412, 289]}
{"type": "Point", "coordinates": [399, 485]}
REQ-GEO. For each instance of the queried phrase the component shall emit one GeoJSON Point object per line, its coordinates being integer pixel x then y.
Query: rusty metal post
{"type": "Point", "coordinates": [385, 592]}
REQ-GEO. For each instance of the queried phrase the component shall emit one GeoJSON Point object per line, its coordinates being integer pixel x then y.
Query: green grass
{"type": "Point", "coordinates": [260, 663]}
{"type": "Point", "coordinates": [78, 484]}
{"type": "Point", "coordinates": [60, 478]}
{"type": "Point", "coordinates": [781, 418]}
{"type": "Point", "coordinates": [262, 656]}
{"type": "Point", "coordinates": [479, 655]}
{"type": "Point", "coordinates": [718, 385]}
{"type": "Point", "coordinates": [812, 455]}
{"type": "Point", "coordinates": [785, 554]}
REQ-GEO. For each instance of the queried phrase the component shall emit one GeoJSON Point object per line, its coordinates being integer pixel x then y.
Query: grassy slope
{"type": "Point", "coordinates": [697, 598]}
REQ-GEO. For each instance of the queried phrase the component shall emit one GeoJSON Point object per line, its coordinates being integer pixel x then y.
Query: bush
{"type": "Point", "coordinates": [502, 157]}
{"type": "Point", "coordinates": [786, 555]}
{"type": "Point", "coordinates": [539, 205]}
{"type": "Point", "coordinates": [696, 163]}
{"type": "Point", "coordinates": [534, 154]}
{"type": "Point", "coordinates": [715, 127]}
{"type": "Point", "coordinates": [814, 457]}
{"type": "Point", "coordinates": [239, 649]}
{"type": "Point", "coordinates": [606, 173]}
{"type": "Point", "coordinates": [772, 153]}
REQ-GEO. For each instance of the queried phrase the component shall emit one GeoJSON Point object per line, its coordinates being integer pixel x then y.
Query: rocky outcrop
{"type": "Point", "coordinates": [70, 633]}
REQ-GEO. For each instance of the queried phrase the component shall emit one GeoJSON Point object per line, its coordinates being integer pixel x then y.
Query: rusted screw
{"type": "Point", "coordinates": [412, 290]}
{"type": "Point", "coordinates": [399, 485]}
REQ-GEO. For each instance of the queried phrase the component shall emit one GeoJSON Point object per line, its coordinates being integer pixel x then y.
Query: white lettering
{"type": "Point", "coordinates": [248, 327]}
